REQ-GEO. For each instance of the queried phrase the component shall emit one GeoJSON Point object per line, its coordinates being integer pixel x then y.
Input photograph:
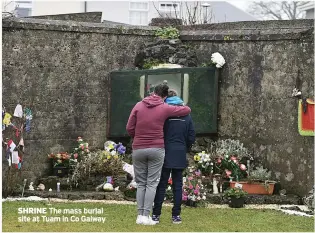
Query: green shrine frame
{"type": "Point", "coordinates": [198, 86]}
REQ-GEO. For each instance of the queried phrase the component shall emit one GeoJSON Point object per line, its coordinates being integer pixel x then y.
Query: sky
{"type": "Point", "coordinates": [240, 4]}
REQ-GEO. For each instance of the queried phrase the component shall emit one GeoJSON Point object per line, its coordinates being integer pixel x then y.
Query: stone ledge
{"type": "Point", "coordinates": [248, 35]}
{"type": "Point", "coordinates": [72, 26]}
{"type": "Point", "coordinates": [258, 199]}
{"type": "Point", "coordinates": [119, 196]}
{"type": "Point", "coordinates": [76, 195]}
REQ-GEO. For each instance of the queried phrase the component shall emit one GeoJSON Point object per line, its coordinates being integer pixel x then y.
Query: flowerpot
{"type": "Point", "coordinates": [60, 171]}
{"type": "Point", "coordinates": [237, 202]}
{"type": "Point", "coordinates": [255, 188]}
{"type": "Point", "coordinates": [191, 203]}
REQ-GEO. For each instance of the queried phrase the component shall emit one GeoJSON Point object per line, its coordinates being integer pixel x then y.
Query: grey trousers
{"type": "Point", "coordinates": [147, 164]}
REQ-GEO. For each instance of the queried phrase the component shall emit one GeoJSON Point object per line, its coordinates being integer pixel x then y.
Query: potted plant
{"type": "Point", "coordinates": [60, 163]}
{"type": "Point", "coordinates": [258, 182]}
{"type": "Point", "coordinates": [236, 197]}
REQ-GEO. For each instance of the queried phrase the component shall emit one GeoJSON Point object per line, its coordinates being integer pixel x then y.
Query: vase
{"type": "Point", "coordinates": [61, 171]}
{"type": "Point", "coordinates": [237, 202]}
{"type": "Point", "coordinates": [191, 203]}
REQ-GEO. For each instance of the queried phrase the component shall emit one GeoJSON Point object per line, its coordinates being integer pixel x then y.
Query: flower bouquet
{"type": "Point", "coordinates": [117, 150]}
{"type": "Point", "coordinates": [60, 159]}
{"type": "Point", "coordinates": [204, 163]}
{"type": "Point", "coordinates": [81, 150]}
{"type": "Point", "coordinates": [230, 167]}
{"type": "Point", "coordinates": [169, 191]}
{"type": "Point", "coordinates": [193, 189]}
{"type": "Point", "coordinates": [60, 163]}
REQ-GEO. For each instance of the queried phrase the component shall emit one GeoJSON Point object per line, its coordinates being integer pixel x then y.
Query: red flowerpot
{"type": "Point", "coordinates": [255, 188]}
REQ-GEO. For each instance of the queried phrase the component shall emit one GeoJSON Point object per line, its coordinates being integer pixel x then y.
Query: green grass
{"type": "Point", "coordinates": [122, 218]}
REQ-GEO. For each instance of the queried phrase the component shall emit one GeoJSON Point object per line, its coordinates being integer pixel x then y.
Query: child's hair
{"type": "Point", "coordinates": [171, 93]}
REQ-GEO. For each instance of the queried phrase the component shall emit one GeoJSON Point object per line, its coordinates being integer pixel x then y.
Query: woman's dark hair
{"type": "Point", "coordinates": [161, 90]}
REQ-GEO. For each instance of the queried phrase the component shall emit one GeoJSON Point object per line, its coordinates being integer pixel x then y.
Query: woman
{"type": "Point", "coordinates": [145, 126]}
{"type": "Point", "coordinates": [179, 135]}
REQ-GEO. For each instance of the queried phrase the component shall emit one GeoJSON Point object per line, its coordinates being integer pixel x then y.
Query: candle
{"type": "Point", "coordinates": [248, 165]}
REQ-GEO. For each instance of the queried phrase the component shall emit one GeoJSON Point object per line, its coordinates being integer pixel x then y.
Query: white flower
{"type": "Point", "coordinates": [198, 198]}
{"type": "Point", "coordinates": [203, 197]}
{"type": "Point", "coordinates": [218, 59]}
{"type": "Point", "coordinates": [113, 152]}
{"type": "Point", "coordinates": [169, 188]}
{"type": "Point", "coordinates": [205, 193]}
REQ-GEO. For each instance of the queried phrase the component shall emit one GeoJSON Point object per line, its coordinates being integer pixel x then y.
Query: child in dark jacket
{"type": "Point", "coordinates": [179, 135]}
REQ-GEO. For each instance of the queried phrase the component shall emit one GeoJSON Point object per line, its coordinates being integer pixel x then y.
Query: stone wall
{"type": "Point", "coordinates": [92, 17]}
{"type": "Point", "coordinates": [61, 70]}
{"type": "Point", "coordinates": [263, 62]}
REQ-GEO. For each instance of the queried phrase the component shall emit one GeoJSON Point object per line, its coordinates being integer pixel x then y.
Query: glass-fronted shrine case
{"type": "Point", "coordinates": [198, 87]}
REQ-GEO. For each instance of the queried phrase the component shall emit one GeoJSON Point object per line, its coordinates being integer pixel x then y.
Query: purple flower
{"type": "Point", "coordinates": [120, 149]}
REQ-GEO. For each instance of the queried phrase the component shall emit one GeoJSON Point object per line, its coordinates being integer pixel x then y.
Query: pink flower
{"type": "Point", "coordinates": [228, 173]}
{"type": "Point", "coordinates": [233, 158]}
{"type": "Point", "coordinates": [82, 147]}
{"type": "Point", "coordinates": [197, 187]}
{"type": "Point", "coordinates": [75, 156]}
{"type": "Point", "coordinates": [219, 160]}
{"type": "Point", "coordinates": [190, 178]}
{"type": "Point", "coordinates": [242, 167]}
{"type": "Point", "coordinates": [184, 197]}
{"type": "Point", "coordinates": [196, 191]}
{"type": "Point", "coordinates": [191, 187]}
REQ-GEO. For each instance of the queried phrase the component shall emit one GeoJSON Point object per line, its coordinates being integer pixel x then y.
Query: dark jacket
{"type": "Point", "coordinates": [179, 135]}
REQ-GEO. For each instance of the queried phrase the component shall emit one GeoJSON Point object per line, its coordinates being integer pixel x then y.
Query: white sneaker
{"type": "Point", "coordinates": [139, 219]}
{"type": "Point", "coordinates": [147, 220]}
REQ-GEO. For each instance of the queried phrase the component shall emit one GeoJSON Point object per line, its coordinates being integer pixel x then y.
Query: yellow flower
{"type": "Point", "coordinates": [115, 156]}
{"type": "Point", "coordinates": [108, 156]}
{"type": "Point", "coordinates": [197, 157]}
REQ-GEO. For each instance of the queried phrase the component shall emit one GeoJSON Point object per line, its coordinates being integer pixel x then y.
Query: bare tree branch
{"type": "Point", "coordinates": [276, 9]}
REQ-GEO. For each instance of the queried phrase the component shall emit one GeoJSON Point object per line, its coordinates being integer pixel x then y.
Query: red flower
{"type": "Point", "coordinates": [170, 181]}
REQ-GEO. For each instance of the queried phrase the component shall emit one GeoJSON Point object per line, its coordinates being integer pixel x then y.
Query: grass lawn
{"type": "Point", "coordinates": [122, 218]}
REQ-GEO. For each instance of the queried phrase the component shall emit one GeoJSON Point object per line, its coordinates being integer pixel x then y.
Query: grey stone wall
{"type": "Point", "coordinates": [61, 70]}
{"type": "Point", "coordinates": [263, 62]}
{"type": "Point", "coordinates": [92, 17]}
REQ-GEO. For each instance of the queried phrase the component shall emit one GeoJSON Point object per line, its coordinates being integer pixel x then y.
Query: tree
{"type": "Point", "coordinates": [8, 9]}
{"type": "Point", "coordinates": [277, 10]}
{"type": "Point", "coordinates": [191, 13]}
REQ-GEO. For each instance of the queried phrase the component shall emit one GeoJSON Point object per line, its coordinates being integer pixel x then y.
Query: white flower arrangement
{"type": "Point", "coordinates": [218, 60]}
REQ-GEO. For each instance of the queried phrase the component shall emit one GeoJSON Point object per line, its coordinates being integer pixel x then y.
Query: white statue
{"type": "Point", "coordinates": [215, 186]}
{"type": "Point", "coordinates": [41, 187]}
{"type": "Point", "coordinates": [30, 187]}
